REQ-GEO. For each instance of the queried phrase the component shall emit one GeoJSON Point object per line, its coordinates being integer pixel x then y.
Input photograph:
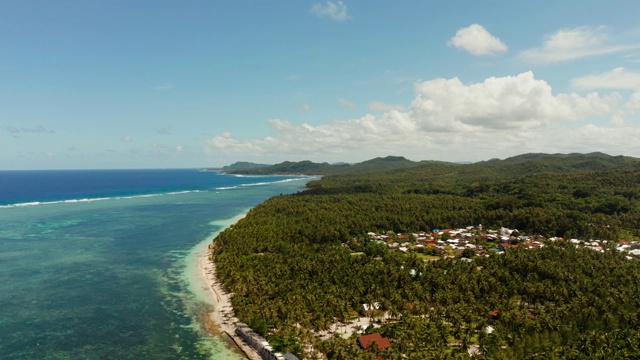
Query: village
{"type": "Point", "coordinates": [464, 244]}
{"type": "Point", "coordinates": [449, 243]}
{"type": "Point", "coordinates": [472, 241]}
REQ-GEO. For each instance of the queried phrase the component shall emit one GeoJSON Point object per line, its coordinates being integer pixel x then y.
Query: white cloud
{"type": "Point", "coordinates": [346, 103]}
{"type": "Point", "coordinates": [305, 107]}
{"type": "Point", "coordinates": [633, 103]}
{"type": "Point", "coordinates": [379, 106]}
{"type": "Point", "coordinates": [476, 40]}
{"type": "Point", "coordinates": [618, 78]}
{"type": "Point", "coordinates": [162, 131]}
{"type": "Point", "coordinates": [126, 138]}
{"type": "Point", "coordinates": [574, 43]}
{"type": "Point", "coordinates": [333, 10]}
{"type": "Point", "coordinates": [278, 124]}
{"type": "Point", "coordinates": [179, 149]}
{"type": "Point", "coordinates": [610, 140]}
{"type": "Point", "coordinates": [447, 120]}
{"type": "Point", "coordinates": [226, 142]}
{"type": "Point", "coordinates": [497, 103]}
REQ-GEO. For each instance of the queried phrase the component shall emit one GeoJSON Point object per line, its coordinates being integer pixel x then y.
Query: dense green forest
{"type": "Point", "coordinates": [291, 278]}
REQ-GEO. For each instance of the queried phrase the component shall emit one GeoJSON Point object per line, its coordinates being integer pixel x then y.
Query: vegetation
{"type": "Point", "coordinates": [241, 165]}
{"type": "Point", "coordinates": [310, 168]}
{"type": "Point", "coordinates": [292, 278]}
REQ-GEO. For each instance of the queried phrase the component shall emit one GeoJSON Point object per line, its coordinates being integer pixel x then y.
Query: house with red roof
{"type": "Point", "coordinates": [365, 341]}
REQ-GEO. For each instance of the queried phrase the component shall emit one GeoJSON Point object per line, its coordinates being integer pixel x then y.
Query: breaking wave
{"type": "Point", "coordinates": [240, 186]}
{"type": "Point", "coordinates": [90, 200]}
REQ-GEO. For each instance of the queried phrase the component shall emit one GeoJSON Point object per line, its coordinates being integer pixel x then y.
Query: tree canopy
{"type": "Point", "coordinates": [291, 276]}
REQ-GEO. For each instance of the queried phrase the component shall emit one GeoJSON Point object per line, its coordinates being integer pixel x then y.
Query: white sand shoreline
{"type": "Point", "coordinates": [222, 314]}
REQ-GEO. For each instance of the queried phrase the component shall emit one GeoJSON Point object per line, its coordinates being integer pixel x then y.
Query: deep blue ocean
{"type": "Point", "coordinates": [101, 264]}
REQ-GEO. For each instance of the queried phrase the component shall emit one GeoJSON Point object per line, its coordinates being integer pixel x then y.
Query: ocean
{"type": "Point", "coordinates": [102, 264]}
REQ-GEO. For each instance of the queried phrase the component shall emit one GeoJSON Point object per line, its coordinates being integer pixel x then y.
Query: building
{"type": "Point", "coordinates": [365, 341]}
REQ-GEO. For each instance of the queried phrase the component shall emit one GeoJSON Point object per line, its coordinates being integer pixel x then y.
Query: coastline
{"type": "Point", "coordinates": [220, 319]}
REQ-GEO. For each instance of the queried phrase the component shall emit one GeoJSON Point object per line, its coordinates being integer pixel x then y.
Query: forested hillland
{"type": "Point", "coordinates": [311, 168]}
{"type": "Point", "coordinates": [302, 264]}
{"type": "Point", "coordinates": [554, 162]}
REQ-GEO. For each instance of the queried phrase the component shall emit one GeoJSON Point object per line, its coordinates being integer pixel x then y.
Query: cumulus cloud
{"type": "Point", "coordinates": [228, 143]}
{"type": "Point", "coordinates": [476, 40]}
{"type": "Point", "coordinates": [618, 78]}
{"type": "Point", "coordinates": [346, 103]}
{"type": "Point", "coordinates": [333, 10]}
{"type": "Point", "coordinates": [126, 138]}
{"type": "Point", "coordinates": [574, 43]}
{"type": "Point", "coordinates": [446, 117]}
{"type": "Point", "coordinates": [611, 140]}
{"type": "Point", "coordinates": [448, 105]}
{"type": "Point", "coordinates": [29, 129]}
{"type": "Point", "coordinates": [379, 106]}
{"type": "Point", "coordinates": [497, 103]}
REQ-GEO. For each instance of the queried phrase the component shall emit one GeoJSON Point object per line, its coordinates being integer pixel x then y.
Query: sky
{"type": "Point", "coordinates": [91, 84]}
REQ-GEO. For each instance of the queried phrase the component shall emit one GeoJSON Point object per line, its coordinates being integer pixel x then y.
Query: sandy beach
{"type": "Point", "coordinates": [222, 314]}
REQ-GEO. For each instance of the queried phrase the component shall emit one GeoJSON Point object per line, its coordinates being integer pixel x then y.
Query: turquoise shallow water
{"type": "Point", "coordinates": [110, 279]}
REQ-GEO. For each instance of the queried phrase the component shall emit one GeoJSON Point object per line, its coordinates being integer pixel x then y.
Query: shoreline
{"type": "Point", "coordinates": [221, 315]}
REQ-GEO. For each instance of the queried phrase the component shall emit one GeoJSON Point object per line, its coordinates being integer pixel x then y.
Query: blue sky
{"type": "Point", "coordinates": [157, 84]}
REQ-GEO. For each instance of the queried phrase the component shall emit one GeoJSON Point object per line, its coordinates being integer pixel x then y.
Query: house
{"type": "Point", "coordinates": [505, 246]}
{"type": "Point", "coordinates": [258, 343]}
{"type": "Point", "coordinates": [365, 341]}
{"type": "Point", "coordinates": [505, 231]}
{"type": "Point", "coordinates": [368, 308]}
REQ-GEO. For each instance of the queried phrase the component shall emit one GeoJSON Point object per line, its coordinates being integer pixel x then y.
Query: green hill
{"type": "Point", "coordinates": [311, 168]}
